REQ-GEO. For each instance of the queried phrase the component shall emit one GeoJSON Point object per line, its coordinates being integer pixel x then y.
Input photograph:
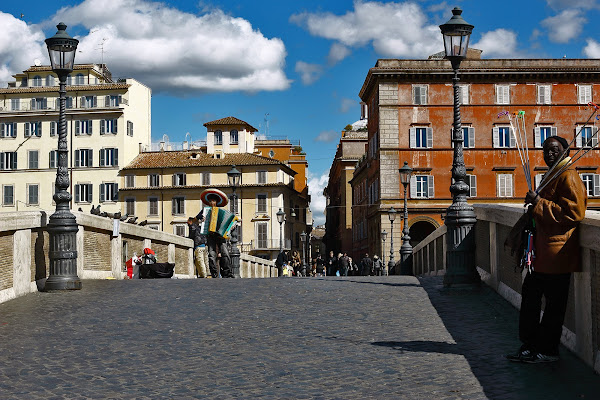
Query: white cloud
{"type": "Point", "coordinates": [592, 49]}
{"type": "Point", "coordinates": [346, 105]}
{"type": "Point", "coordinates": [316, 184]}
{"type": "Point", "coordinates": [561, 4]}
{"type": "Point", "coordinates": [20, 48]}
{"type": "Point", "coordinates": [394, 29]}
{"type": "Point", "coordinates": [178, 52]}
{"type": "Point", "coordinates": [309, 73]}
{"type": "Point", "coordinates": [499, 43]}
{"type": "Point", "coordinates": [337, 53]}
{"type": "Point", "coordinates": [327, 136]}
{"type": "Point", "coordinates": [565, 26]}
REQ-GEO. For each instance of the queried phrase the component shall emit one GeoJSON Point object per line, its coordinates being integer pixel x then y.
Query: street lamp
{"type": "Point", "coordinates": [234, 177]}
{"type": "Point", "coordinates": [460, 216]}
{"type": "Point", "coordinates": [383, 237]}
{"type": "Point", "coordinates": [303, 240]}
{"type": "Point", "coordinates": [62, 225]}
{"type": "Point", "coordinates": [392, 216]}
{"type": "Point", "coordinates": [280, 218]}
{"type": "Point", "coordinates": [406, 249]}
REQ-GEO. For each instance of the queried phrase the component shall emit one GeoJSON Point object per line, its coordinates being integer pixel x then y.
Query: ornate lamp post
{"type": "Point", "coordinates": [303, 240]}
{"type": "Point", "coordinates": [62, 225]}
{"type": "Point", "coordinates": [460, 216]}
{"type": "Point", "coordinates": [406, 249]}
{"type": "Point", "coordinates": [234, 177]}
{"type": "Point", "coordinates": [392, 216]}
{"type": "Point", "coordinates": [383, 237]}
{"type": "Point", "coordinates": [280, 218]}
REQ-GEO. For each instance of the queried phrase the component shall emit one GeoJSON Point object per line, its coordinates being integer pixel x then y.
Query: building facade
{"type": "Point", "coordinates": [411, 117]}
{"type": "Point", "coordinates": [107, 123]}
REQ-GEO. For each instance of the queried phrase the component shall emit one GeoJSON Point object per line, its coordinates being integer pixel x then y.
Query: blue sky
{"type": "Point", "coordinates": [289, 68]}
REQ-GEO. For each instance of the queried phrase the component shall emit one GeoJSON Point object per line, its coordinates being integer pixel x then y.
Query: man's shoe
{"type": "Point", "coordinates": [541, 358]}
{"type": "Point", "coordinates": [523, 355]}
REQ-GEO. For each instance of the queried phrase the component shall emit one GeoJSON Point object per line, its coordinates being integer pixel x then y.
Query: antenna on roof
{"type": "Point", "coordinates": [101, 48]}
{"type": "Point", "coordinates": [266, 124]}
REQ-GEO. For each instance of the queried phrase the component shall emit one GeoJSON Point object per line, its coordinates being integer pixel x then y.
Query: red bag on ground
{"type": "Point", "coordinates": [129, 265]}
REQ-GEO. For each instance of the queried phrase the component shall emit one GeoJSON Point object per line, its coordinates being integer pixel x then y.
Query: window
{"type": "Point", "coordinates": [69, 79]}
{"type": "Point", "coordinates": [463, 94]}
{"type": "Point", "coordinates": [537, 180]}
{"type": "Point", "coordinates": [8, 195]}
{"type": "Point", "coordinates": [83, 193]}
{"type": "Point", "coordinates": [179, 229]}
{"type": "Point", "coordinates": [584, 94]}
{"type": "Point", "coordinates": [233, 136]}
{"type": "Point", "coordinates": [468, 137]}
{"type": "Point", "coordinates": [24, 81]}
{"type": "Point", "coordinates": [179, 179]}
{"type": "Point", "coordinates": [37, 81]}
{"type": "Point", "coordinates": [53, 128]}
{"type": "Point", "coordinates": [419, 94]}
{"type": "Point", "coordinates": [543, 94]}
{"type": "Point", "coordinates": [33, 129]}
{"type": "Point", "coordinates": [33, 194]}
{"type": "Point", "coordinates": [50, 80]}
{"type": "Point", "coordinates": [421, 187]}
{"type": "Point", "coordinates": [32, 159]}
{"type": "Point", "coordinates": [108, 126]}
{"type": "Point", "coordinates": [8, 160]}
{"type": "Point", "coordinates": [261, 203]}
{"type": "Point", "coordinates": [472, 182]}
{"type": "Point", "coordinates": [109, 192]}
{"type": "Point", "coordinates": [83, 127]}
{"type": "Point", "coordinates": [129, 182]}
{"type": "Point", "coordinates": [112, 101]}
{"type": "Point", "coordinates": [129, 128]}
{"type": "Point", "coordinates": [153, 180]}
{"type": "Point", "coordinates": [206, 178]}
{"type": "Point", "coordinates": [84, 158]}
{"type": "Point", "coordinates": [505, 185]}
{"type": "Point", "coordinates": [261, 177]}
{"type": "Point", "coordinates": [79, 79]}
{"type": "Point", "coordinates": [153, 206]}
{"type": "Point", "coordinates": [109, 157]}
{"type": "Point", "coordinates": [541, 133]}
{"type": "Point", "coordinates": [53, 156]}
{"type": "Point", "coordinates": [587, 137]}
{"type": "Point", "coordinates": [15, 104]}
{"type": "Point", "coordinates": [69, 102]}
{"type": "Point", "coordinates": [502, 94]}
{"type": "Point", "coordinates": [178, 205]}
{"type": "Point", "coordinates": [591, 183]}
{"type": "Point", "coordinates": [89, 102]}
{"type": "Point", "coordinates": [261, 235]}
{"type": "Point", "coordinates": [130, 206]}
{"type": "Point", "coordinates": [218, 137]}
{"type": "Point", "coordinates": [8, 129]}
{"type": "Point", "coordinates": [39, 103]}
{"type": "Point", "coordinates": [503, 137]}
{"type": "Point", "coordinates": [421, 137]}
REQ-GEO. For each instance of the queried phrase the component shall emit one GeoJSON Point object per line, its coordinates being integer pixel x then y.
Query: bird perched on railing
{"type": "Point", "coordinates": [95, 210]}
{"type": "Point", "coordinates": [132, 220]}
{"type": "Point", "coordinates": [143, 223]}
{"type": "Point", "coordinates": [124, 217]}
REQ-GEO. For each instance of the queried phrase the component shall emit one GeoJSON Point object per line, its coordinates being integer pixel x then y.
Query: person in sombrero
{"type": "Point", "coordinates": [217, 245]}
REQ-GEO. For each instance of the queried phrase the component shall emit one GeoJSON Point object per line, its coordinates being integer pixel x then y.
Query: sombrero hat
{"type": "Point", "coordinates": [221, 197]}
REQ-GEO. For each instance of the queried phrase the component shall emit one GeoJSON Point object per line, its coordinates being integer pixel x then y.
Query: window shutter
{"type": "Point", "coordinates": [90, 191]}
{"type": "Point", "coordinates": [513, 138]}
{"type": "Point", "coordinates": [498, 94]}
{"type": "Point", "coordinates": [90, 154]}
{"type": "Point", "coordinates": [102, 126]}
{"type": "Point", "coordinates": [496, 137]}
{"type": "Point", "coordinates": [429, 138]}
{"type": "Point", "coordinates": [594, 136]}
{"type": "Point", "coordinates": [27, 129]}
{"type": "Point", "coordinates": [430, 187]}
{"type": "Point", "coordinates": [471, 131]}
{"type": "Point", "coordinates": [77, 127]}
{"type": "Point", "coordinates": [423, 95]}
{"type": "Point", "coordinates": [116, 163]}
{"type": "Point", "coordinates": [102, 158]}
{"type": "Point", "coordinates": [541, 95]}
{"type": "Point", "coordinates": [89, 127]}
{"type": "Point", "coordinates": [115, 192]}
{"type": "Point", "coordinates": [500, 181]}
{"type": "Point", "coordinates": [174, 206]}
{"type": "Point", "coordinates": [416, 94]}
{"type": "Point", "coordinates": [413, 187]}
{"type": "Point", "coordinates": [413, 137]}
{"type": "Point", "coordinates": [596, 185]}
{"type": "Point", "coordinates": [14, 160]}
{"type": "Point", "coordinates": [538, 180]}
{"type": "Point", "coordinates": [509, 183]}
{"type": "Point", "coordinates": [102, 189]}
{"type": "Point", "coordinates": [2, 155]}
{"type": "Point", "coordinates": [107, 101]}
{"type": "Point", "coordinates": [578, 140]}
{"type": "Point", "coordinates": [174, 179]}
{"type": "Point", "coordinates": [537, 137]}
{"type": "Point", "coordinates": [472, 185]}
{"type": "Point", "coordinates": [2, 130]}
{"type": "Point", "coordinates": [77, 158]}
{"type": "Point", "coordinates": [77, 189]}
{"type": "Point", "coordinates": [553, 131]}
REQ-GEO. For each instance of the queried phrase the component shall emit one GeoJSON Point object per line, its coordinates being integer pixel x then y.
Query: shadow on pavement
{"type": "Point", "coordinates": [421, 346]}
{"type": "Point", "coordinates": [485, 328]}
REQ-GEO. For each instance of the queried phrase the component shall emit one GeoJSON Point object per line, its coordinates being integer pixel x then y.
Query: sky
{"type": "Point", "coordinates": [289, 68]}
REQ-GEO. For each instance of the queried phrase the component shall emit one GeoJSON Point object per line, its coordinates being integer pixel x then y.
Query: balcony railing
{"type": "Point", "coordinates": [269, 244]}
{"type": "Point", "coordinates": [53, 105]}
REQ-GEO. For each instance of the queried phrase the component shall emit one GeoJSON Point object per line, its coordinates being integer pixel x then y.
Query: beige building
{"type": "Point", "coordinates": [107, 124]}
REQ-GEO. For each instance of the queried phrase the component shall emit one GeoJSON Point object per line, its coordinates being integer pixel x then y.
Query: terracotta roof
{"type": "Point", "coordinates": [73, 88]}
{"type": "Point", "coordinates": [191, 158]}
{"type": "Point", "coordinates": [231, 121]}
{"type": "Point", "coordinates": [39, 68]}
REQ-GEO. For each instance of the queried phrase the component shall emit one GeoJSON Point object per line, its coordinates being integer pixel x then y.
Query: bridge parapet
{"type": "Point", "coordinates": [498, 269]}
{"type": "Point", "coordinates": [102, 251]}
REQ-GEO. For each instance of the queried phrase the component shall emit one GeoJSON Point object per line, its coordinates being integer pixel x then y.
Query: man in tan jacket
{"type": "Point", "coordinates": [556, 211]}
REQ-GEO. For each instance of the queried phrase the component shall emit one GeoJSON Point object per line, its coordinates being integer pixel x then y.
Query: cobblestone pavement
{"type": "Point", "coordinates": [311, 338]}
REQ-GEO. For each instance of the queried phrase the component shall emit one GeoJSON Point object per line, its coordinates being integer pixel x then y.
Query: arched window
{"type": "Point", "coordinates": [234, 136]}
{"type": "Point", "coordinates": [79, 79]}
{"type": "Point", "coordinates": [50, 80]}
{"type": "Point", "coordinates": [37, 80]}
{"type": "Point", "coordinates": [218, 137]}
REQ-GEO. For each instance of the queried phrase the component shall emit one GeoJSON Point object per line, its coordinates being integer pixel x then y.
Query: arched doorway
{"type": "Point", "coordinates": [420, 229]}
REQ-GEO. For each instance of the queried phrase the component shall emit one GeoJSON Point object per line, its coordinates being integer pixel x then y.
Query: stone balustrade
{"type": "Point", "coordinates": [498, 269]}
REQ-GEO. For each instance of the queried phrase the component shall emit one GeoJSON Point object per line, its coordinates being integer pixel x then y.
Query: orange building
{"type": "Point", "coordinates": [410, 119]}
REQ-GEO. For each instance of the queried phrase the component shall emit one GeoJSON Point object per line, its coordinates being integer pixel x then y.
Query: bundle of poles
{"type": "Point", "coordinates": [520, 134]}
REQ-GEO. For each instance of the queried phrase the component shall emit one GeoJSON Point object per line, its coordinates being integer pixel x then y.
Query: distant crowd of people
{"type": "Point", "coordinates": [335, 265]}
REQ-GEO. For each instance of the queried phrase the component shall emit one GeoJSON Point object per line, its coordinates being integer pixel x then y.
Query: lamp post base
{"type": "Point", "coordinates": [62, 229]}
{"type": "Point", "coordinates": [460, 241]}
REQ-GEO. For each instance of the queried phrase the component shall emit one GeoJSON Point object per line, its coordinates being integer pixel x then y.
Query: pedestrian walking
{"type": "Point", "coordinates": [282, 262]}
{"type": "Point", "coordinates": [200, 240]}
{"type": "Point", "coordinates": [331, 264]}
{"type": "Point", "coordinates": [320, 266]}
{"type": "Point", "coordinates": [366, 265]}
{"type": "Point", "coordinates": [343, 263]}
{"type": "Point", "coordinates": [556, 212]}
{"type": "Point", "coordinates": [377, 265]}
